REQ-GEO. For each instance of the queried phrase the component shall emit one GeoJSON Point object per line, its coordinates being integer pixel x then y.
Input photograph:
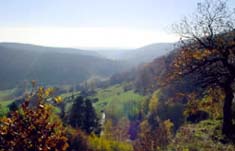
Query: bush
{"type": "Point", "coordinates": [33, 128]}
{"type": "Point", "coordinates": [103, 144]}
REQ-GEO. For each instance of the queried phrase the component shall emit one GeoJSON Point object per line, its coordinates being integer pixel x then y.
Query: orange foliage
{"type": "Point", "coordinates": [32, 126]}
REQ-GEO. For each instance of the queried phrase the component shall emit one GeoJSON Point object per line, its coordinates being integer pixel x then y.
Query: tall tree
{"type": "Point", "coordinates": [208, 52]}
{"type": "Point", "coordinates": [83, 116]}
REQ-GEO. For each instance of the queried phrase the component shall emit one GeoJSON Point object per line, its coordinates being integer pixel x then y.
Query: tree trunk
{"type": "Point", "coordinates": [227, 111]}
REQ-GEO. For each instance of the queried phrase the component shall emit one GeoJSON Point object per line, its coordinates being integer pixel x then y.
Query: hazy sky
{"type": "Point", "coordinates": [92, 23]}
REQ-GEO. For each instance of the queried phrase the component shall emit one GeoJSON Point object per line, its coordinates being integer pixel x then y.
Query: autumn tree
{"type": "Point", "coordinates": [207, 53]}
{"type": "Point", "coordinates": [154, 139]}
{"type": "Point", "coordinates": [33, 127]}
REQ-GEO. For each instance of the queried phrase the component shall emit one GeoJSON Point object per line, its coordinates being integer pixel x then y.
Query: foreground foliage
{"type": "Point", "coordinates": [33, 127]}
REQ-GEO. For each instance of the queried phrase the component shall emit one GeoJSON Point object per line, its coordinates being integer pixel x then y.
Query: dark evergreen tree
{"type": "Point", "coordinates": [83, 116]}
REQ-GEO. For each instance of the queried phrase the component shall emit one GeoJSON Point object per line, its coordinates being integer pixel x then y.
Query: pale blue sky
{"type": "Point", "coordinates": [21, 20]}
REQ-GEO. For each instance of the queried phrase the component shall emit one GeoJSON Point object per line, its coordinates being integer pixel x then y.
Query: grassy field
{"type": "Point", "coordinates": [118, 103]}
{"type": "Point", "coordinates": [6, 94]}
{"type": "Point", "coordinates": [4, 107]}
{"type": "Point", "coordinates": [64, 95]}
{"type": "Point", "coordinates": [5, 103]}
{"type": "Point", "coordinates": [6, 98]}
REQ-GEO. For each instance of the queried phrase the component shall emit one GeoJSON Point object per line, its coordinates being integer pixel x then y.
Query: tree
{"type": "Point", "coordinates": [83, 116]}
{"type": "Point", "coordinates": [154, 139]}
{"type": "Point", "coordinates": [32, 128]}
{"type": "Point", "coordinates": [212, 18]}
{"type": "Point", "coordinates": [78, 140]}
{"type": "Point", "coordinates": [208, 52]}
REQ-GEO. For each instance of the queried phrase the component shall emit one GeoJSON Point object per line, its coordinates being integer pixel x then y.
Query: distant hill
{"type": "Point", "coordinates": [37, 48]}
{"type": "Point", "coordinates": [50, 65]}
{"type": "Point", "coordinates": [148, 53]}
{"type": "Point", "coordinates": [141, 55]}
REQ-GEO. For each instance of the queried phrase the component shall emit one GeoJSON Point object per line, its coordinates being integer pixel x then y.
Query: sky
{"type": "Point", "coordinates": [92, 23]}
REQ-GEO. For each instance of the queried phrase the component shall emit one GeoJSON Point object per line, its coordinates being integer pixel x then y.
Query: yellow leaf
{"type": "Point", "coordinates": [58, 99]}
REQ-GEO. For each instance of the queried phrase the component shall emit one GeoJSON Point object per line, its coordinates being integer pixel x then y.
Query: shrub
{"type": "Point", "coordinates": [33, 127]}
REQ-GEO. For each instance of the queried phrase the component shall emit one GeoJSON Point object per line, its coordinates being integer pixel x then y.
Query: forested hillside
{"type": "Point", "coordinates": [51, 66]}
{"type": "Point", "coordinates": [183, 100]}
{"type": "Point", "coordinates": [135, 57]}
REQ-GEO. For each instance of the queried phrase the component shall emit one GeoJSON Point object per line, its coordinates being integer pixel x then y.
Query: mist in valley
{"type": "Point", "coordinates": [121, 75]}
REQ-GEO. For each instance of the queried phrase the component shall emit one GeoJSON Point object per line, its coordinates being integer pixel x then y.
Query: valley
{"type": "Point", "coordinates": [104, 76]}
